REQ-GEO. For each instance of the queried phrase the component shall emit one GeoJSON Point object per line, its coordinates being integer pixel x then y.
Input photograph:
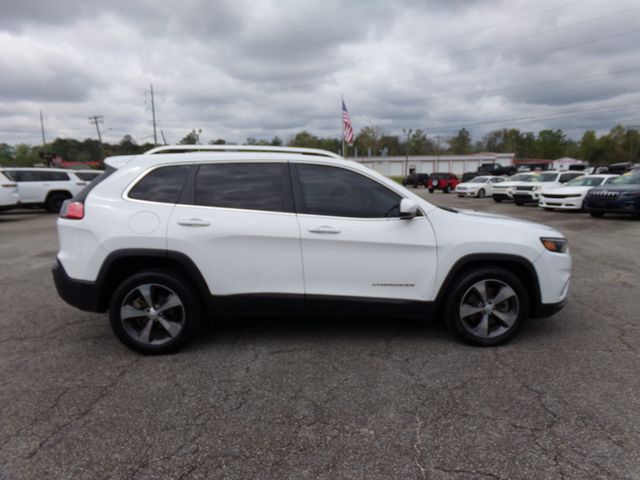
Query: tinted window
{"type": "Point", "coordinates": [87, 176]}
{"type": "Point", "coordinates": [250, 186]}
{"type": "Point", "coordinates": [161, 185]}
{"type": "Point", "coordinates": [565, 177]}
{"type": "Point", "coordinates": [54, 176]}
{"type": "Point", "coordinates": [342, 193]}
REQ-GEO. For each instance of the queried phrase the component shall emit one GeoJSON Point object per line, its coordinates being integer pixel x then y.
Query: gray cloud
{"type": "Point", "coordinates": [239, 69]}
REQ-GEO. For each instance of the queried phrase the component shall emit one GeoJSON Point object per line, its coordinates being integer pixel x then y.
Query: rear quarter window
{"type": "Point", "coordinates": [162, 185]}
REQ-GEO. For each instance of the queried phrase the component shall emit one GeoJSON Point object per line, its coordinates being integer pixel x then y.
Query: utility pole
{"type": "Point", "coordinates": [97, 119]}
{"type": "Point", "coordinates": [406, 151]}
{"type": "Point", "coordinates": [153, 114]}
{"type": "Point", "coordinates": [42, 129]}
{"type": "Point", "coordinates": [163, 139]}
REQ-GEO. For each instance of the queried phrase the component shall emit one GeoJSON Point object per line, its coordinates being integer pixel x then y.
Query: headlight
{"type": "Point", "coordinates": [556, 245]}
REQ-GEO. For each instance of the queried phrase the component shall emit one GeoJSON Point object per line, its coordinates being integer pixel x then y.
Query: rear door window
{"type": "Point", "coordinates": [246, 186]}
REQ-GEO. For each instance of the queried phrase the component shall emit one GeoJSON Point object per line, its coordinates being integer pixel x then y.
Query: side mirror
{"type": "Point", "coordinates": [408, 209]}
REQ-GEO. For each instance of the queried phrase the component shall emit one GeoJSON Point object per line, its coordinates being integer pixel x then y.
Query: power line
{"type": "Point", "coordinates": [619, 73]}
{"type": "Point", "coordinates": [432, 42]}
{"type": "Point", "coordinates": [538, 117]}
{"type": "Point", "coordinates": [477, 67]}
{"type": "Point", "coordinates": [469, 50]}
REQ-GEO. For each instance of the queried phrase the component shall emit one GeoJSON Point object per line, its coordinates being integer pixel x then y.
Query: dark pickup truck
{"type": "Point", "coordinates": [496, 169]}
{"type": "Point", "coordinates": [415, 180]}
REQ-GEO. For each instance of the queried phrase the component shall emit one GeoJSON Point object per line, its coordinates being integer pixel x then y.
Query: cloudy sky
{"type": "Point", "coordinates": [262, 68]}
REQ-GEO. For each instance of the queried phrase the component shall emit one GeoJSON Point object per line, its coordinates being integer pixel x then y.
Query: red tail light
{"type": "Point", "coordinates": [72, 210]}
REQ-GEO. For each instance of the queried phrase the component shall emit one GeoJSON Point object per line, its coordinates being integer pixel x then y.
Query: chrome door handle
{"type": "Point", "coordinates": [324, 229]}
{"type": "Point", "coordinates": [193, 222]}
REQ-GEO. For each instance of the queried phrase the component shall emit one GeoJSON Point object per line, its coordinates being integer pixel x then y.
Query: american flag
{"type": "Point", "coordinates": [347, 128]}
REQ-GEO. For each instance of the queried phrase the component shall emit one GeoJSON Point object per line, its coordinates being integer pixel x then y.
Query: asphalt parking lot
{"type": "Point", "coordinates": [326, 399]}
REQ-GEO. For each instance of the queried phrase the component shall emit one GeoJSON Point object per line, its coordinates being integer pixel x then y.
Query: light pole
{"type": "Point", "coordinates": [406, 151]}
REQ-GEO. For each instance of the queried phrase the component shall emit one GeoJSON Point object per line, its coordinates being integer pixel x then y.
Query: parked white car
{"type": "Point", "coordinates": [8, 193]}
{"type": "Point", "coordinates": [571, 195]}
{"type": "Point", "coordinates": [478, 187]}
{"type": "Point", "coordinates": [45, 187]}
{"type": "Point", "coordinates": [542, 181]}
{"type": "Point", "coordinates": [504, 191]}
{"type": "Point", "coordinates": [163, 238]}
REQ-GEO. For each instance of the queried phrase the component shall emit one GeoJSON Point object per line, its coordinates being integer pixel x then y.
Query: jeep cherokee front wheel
{"type": "Point", "coordinates": [153, 312]}
{"type": "Point", "coordinates": [487, 306]}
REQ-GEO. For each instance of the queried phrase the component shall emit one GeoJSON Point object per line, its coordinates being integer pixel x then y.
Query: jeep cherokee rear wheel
{"type": "Point", "coordinates": [154, 312]}
{"type": "Point", "coordinates": [487, 306]}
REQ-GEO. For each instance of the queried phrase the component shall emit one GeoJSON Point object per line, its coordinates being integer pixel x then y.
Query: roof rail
{"type": "Point", "coordinates": [240, 148]}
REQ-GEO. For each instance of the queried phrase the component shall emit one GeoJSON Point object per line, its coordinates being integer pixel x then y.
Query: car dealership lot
{"type": "Point", "coordinates": [326, 398]}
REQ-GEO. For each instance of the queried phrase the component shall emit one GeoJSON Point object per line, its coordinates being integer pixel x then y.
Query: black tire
{"type": "Point", "coordinates": [431, 190]}
{"type": "Point", "coordinates": [416, 185]}
{"type": "Point", "coordinates": [190, 313]}
{"type": "Point", "coordinates": [519, 203]}
{"type": "Point", "coordinates": [55, 200]}
{"type": "Point", "coordinates": [547, 209]}
{"type": "Point", "coordinates": [596, 214]}
{"type": "Point", "coordinates": [481, 193]}
{"type": "Point", "coordinates": [518, 309]}
{"type": "Point", "coordinates": [497, 200]}
{"type": "Point", "coordinates": [445, 189]}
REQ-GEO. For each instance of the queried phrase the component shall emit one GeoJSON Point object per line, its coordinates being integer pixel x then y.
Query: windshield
{"type": "Point", "coordinates": [544, 177]}
{"type": "Point", "coordinates": [521, 177]}
{"type": "Point", "coordinates": [480, 180]}
{"type": "Point", "coordinates": [585, 182]}
{"type": "Point", "coordinates": [627, 179]}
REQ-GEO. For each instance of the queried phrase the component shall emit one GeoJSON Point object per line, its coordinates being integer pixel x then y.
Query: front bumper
{"type": "Point", "coordinates": [77, 293]}
{"type": "Point", "coordinates": [466, 193]}
{"type": "Point", "coordinates": [526, 197]}
{"type": "Point", "coordinates": [547, 309]}
{"type": "Point", "coordinates": [617, 205]}
{"type": "Point", "coordinates": [501, 196]}
{"type": "Point", "coordinates": [568, 203]}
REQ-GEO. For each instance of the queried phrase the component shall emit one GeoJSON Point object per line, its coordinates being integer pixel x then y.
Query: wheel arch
{"type": "Point", "coordinates": [121, 264]}
{"type": "Point", "coordinates": [519, 266]}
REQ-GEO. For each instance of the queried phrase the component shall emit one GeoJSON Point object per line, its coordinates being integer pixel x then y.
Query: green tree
{"type": "Point", "coordinates": [551, 144]}
{"type": "Point", "coordinates": [219, 141]}
{"type": "Point", "coordinates": [461, 143]}
{"type": "Point", "coordinates": [305, 139]}
{"type": "Point", "coordinates": [191, 138]}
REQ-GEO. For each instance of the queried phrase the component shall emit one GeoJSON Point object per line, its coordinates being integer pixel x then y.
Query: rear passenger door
{"type": "Point", "coordinates": [237, 223]}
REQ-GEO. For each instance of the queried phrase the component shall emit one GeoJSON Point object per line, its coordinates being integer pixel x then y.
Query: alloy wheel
{"type": "Point", "coordinates": [489, 309]}
{"type": "Point", "coordinates": [152, 314]}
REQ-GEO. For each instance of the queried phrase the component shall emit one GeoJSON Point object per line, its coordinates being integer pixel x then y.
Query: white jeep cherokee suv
{"type": "Point", "coordinates": [45, 187]}
{"type": "Point", "coordinates": [163, 238]}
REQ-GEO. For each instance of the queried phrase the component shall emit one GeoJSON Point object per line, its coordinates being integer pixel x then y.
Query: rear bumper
{"type": "Point", "coordinates": [78, 293]}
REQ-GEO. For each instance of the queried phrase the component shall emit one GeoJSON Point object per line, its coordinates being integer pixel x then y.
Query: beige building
{"type": "Point", "coordinates": [458, 164]}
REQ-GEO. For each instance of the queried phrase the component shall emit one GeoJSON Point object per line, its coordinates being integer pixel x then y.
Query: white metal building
{"type": "Point", "coordinates": [458, 164]}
